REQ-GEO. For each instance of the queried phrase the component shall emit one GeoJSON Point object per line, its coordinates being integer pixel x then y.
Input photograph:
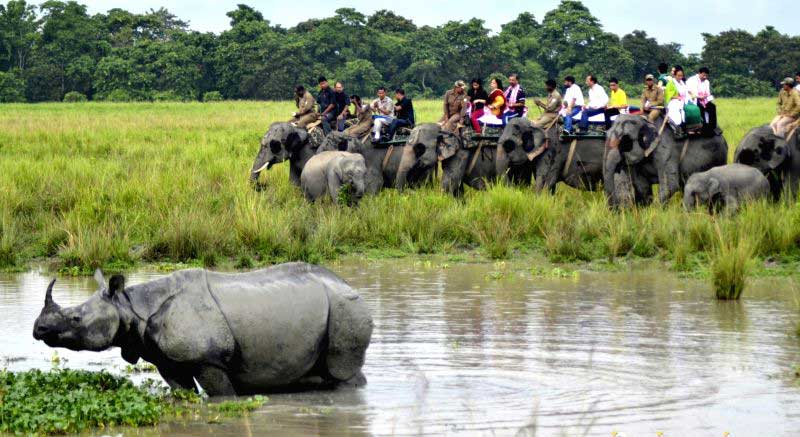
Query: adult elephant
{"type": "Point", "coordinates": [524, 150]}
{"type": "Point", "coordinates": [282, 142]}
{"type": "Point", "coordinates": [395, 166]}
{"type": "Point", "coordinates": [776, 158]}
{"type": "Point", "coordinates": [462, 165]}
{"type": "Point", "coordinates": [651, 155]}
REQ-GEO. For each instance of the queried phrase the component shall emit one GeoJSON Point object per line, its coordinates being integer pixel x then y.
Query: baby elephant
{"type": "Point", "coordinates": [327, 172]}
{"type": "Point", "coordinates": [724, 187]}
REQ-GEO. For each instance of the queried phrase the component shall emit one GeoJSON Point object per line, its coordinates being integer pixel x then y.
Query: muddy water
{"type": "Point", "coordinates": [485, 349]}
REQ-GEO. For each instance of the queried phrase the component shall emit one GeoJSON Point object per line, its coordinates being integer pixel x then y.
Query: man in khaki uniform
{"type": "Point", "coordinates": [454, 108]}
{"type": "Point", "coordinates": [652, 98]}
{"type": "Point", "coordinates": [364, 117]}
{"type": "Point", "coordinates": [551, 107]}
{"type": "Point", "coordinates": [304, 101]}
{"type": "Point", "coordinates": [788, 108]}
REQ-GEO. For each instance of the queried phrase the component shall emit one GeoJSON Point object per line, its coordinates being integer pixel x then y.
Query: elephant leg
{"type": "Point", "coordinates": [215, 381]}
{"type": "Point", "coordinates": [294, 175]}
{"type": "Point", "coordinates": [642, 189]}
{"type": "Point", "coordinates": [668, 183]}
{"type": "Point", "coordinates": [610, 165]}
{"type": "Point", "coordinates": [731, 205]}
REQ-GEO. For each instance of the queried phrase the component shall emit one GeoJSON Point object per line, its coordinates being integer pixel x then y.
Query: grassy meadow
{"type": "Point", "coordinates": [117, 185]}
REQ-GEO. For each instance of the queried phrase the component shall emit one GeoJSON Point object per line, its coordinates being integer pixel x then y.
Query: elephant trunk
{"type": "Point", "coordinates": [610, 165]}
{"type": "Point", "coordinates": [407, 162]}
{"type": "Point", "coordinates": [501, 162]}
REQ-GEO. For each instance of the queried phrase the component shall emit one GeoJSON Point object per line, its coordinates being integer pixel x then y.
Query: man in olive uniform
{"type": "Point", "coordinates": [304, 101]}
{"type": "Point", "coordinates": [550, 107]}
{"type": "Point", "coordinates": [652, 98]}
{"type": "Point", "coordinates": [454, 107]}
{"type": "Point", "coordinates": [788, 108]}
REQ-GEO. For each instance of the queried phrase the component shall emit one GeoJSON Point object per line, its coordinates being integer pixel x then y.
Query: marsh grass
{"type": "Point", "coordinates": [119, 184]}
{"type": "Point", "coordinates": [731, 263]}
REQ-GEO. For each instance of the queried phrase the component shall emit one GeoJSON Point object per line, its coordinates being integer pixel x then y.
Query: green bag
{"type": "Point", "coordinates": [694, 119]}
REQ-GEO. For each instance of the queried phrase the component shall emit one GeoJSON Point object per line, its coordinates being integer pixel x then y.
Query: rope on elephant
{"type": "Point", "coordinates": [386, 158]}
{"type": "Point", "coordinates": [570, 156]}
{"type": "Point", "coordinates": [685, 148]}
{"type": "Point", "coordinates": [791, 132]}
{"type": "Point", "coordinates": [475, 158]}
{"type": "Point", "coordinates": [657, 139]}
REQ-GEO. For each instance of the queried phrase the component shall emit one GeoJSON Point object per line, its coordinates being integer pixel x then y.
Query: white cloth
{"type": "Point", "coordinates": [489, 119]}
{"type": "Point", "coordinates": [573, 92]}
{"type": "Point", "coordinates": [675, 106]}
{"type": "Point", "coordinates": [700, 90]}
{"type": "Point", "coordinates": [797, 87]}
{"type": "Point", "coordinates": [385, 104]}
{"type": "Point", "coordinates": [597, 97]}
{"type": "Point", "coordinates": [378, 121]}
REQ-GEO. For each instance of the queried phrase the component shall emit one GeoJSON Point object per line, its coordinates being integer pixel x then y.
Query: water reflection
{"type": "Point", "coordinates": [467, 350]}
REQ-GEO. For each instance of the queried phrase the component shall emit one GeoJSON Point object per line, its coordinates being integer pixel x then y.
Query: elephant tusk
{"type": "Point", "coordinates": [260, 169]}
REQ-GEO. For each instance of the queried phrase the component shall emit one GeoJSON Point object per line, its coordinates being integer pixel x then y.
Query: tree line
{"type": "Point", "coordinates": [58, 51]}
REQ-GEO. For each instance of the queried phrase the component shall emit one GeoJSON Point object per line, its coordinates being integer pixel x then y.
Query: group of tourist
{"type": "Point", "coordinates": [333, 109]}
{"type": "Point", "coordinates": [687, 105]}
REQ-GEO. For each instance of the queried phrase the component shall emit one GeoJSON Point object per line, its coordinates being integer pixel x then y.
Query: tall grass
{"type": "Point", "coordinates": [99, 184]}
{"type": "Point", "coordinates": [731, 262]}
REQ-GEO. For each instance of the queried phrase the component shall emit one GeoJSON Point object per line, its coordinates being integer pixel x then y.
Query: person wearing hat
{"type": "Point", "coordinates": [454, 107]}
{"type": "Point", "coordinates": [550, 107]}
{"type": "Point", "coordinates": [306, 113]}
{"type": "Point", "coordinates": [652, 98]}
{"type": "Point", "coordinates": [788, 108]}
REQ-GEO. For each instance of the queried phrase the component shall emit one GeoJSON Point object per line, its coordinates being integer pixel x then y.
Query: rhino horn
{"type": "Point", "coordinates": [48, 297]}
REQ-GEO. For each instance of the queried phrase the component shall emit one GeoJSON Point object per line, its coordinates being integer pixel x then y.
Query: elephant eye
{"type": "Point", "coordinates": [76, 319]}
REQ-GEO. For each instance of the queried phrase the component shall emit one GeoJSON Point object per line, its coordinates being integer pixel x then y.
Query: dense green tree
{"type": "Point", "coordinates": [18, 34]}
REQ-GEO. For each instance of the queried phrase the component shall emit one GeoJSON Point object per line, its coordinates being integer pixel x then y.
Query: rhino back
{"type": "Point", "coordinates": [278, 317]}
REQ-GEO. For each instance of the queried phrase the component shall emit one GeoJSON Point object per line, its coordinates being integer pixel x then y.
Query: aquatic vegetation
{"type": "Point", "coordinates": [68, 401]}
{"type": "Point", "coordinates": [116, 185]}
{"type": "Point", "coordinates": [64, 401]}
{"type": "Point", "coordinates": [730, 264]}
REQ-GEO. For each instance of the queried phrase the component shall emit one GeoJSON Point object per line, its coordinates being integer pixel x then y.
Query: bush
{"type": "Point", "coordinates": [74, 97]}
{"type": "Point", "coordinates": [168, 96]}
{"type": "Point", "coordinates": [12, 88]}
{"type": "Point", "coordinates": [118, 95]}
{"type": "Point", "coordinates": [733, 85]}
{"type": "Point", "coordinates": [212, 96]}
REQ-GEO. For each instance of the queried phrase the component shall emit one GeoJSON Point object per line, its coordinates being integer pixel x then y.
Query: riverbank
{"type": "Point", "coordinates": [119, 186]}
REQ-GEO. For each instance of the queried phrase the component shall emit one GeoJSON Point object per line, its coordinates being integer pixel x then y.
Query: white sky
{"type": "Point", "coordinates": [680, 21]}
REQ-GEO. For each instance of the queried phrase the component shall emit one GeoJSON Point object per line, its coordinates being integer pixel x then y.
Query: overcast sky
{"type": "Point", "coordinates": [689, 18]}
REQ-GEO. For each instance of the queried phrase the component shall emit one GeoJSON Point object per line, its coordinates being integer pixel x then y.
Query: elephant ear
{"type": "Point", "coordinates": [778, 154]}
{"type": "Point", "coordinates": [647, 137]}
{"type": "Point", "coordinates": [713, 186]}
{"type": "Point", "coordinates": [447, 144]}
{"type": "Point", "coordinates": [349, 332]}
{"type": "Point", "coordinates": [529, 138]}
{"type": "Point", "coordinates": [296, 139]}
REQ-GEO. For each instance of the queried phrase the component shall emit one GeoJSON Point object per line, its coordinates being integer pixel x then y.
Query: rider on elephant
{"type": "Point", "coordinates": [700, 90]}
{"type": "Point", "coordinates": [788, 108]}
{"type": "Point", "coordinates": [327, 104]}
{"type": "Point", "coordinates": [515, 99]}
{"type": "Point", "coordinates": [652, 99]}
{"type": "Point", "coordinates": [383, 107]}
{"type": "Point", "coordinates": [453, 116]}
{"type": "Point", "coordinates": [304, 101]}
{"type": "Point", "coordinates": [677, 95]}
{"type": "Point", "coordinates": [550, 107]}
{"type": "Point", "coordinates": [363, 113]}
{"type": "Point", "coordinates": [404, 112]}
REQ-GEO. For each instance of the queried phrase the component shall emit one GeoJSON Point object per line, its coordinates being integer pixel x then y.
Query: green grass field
{"type": "Point", "coordinates": [116, 185]}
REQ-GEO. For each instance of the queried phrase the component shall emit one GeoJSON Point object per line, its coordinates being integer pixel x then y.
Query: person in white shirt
{"type": "Point", "coordinates": [383, 110]}
{"type": "Point", "coordinates": [598, 100]}
{"type": "Point", "coordinates": [573, 102]}
{"type": "Point", "coordinates": [700, 91]}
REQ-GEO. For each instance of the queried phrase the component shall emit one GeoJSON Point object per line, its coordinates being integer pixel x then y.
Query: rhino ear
{"type": "Point", "coordinates": [116, 284]}
{"type": "Point", "coordinates": [98, 277]}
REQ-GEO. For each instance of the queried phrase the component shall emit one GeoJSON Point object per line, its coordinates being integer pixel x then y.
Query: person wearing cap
{"type": "Point", "coordinates": [788, 108]}
{"type": "Point", "coordinates": [700, 90]}
{"type": "Point", "coordinates": [305, 107]}
{"type": "Point", "coordinates": [454, 107]}
{"type": "Point", "coordinates": [550, 107]}
{"type": "Point", "coordinates": [652, 98]}
{"type": "Point", "coordinates": [327, 104]}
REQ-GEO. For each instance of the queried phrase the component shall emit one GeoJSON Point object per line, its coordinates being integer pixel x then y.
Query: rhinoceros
{"type": "Point", "coordinates": [235, 334]}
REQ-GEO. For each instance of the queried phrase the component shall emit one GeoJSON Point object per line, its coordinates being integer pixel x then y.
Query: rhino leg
{"type": "Point", "coordinates": [215, 381]}
{"type": "Point", "coordinates": [177, 379]}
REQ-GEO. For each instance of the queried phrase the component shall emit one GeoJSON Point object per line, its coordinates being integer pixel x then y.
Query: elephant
{"type": "Point", "coordinates": [281, 142]}
{"type": "Point", "coordinates": [525, 150]}
{"type": "Point", "coordinates": [396, 166]}
{"type": "Point", "coordinates": [725, 187]}
{"type": "Point", "coordinates": [649, 155]}
{"type": "Point", "coordinates": [474, 166]}
{"type": "Point", "coordinates": [285, 326]}
{"type": "Point", "coordinates": [338, 142]}
{"type": "Point", "coordinates": [326, 172]}
{"type": "Point", "coordinates": [776, 158]}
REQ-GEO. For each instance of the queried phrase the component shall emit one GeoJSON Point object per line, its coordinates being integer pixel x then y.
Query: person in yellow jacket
{"type": "Point", "coordinates": [617, 102]}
